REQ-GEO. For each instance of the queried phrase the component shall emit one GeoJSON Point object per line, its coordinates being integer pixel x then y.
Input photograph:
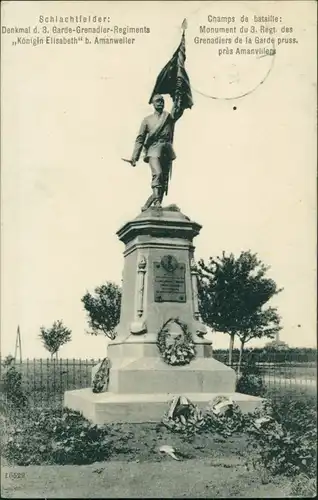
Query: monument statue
{"type": "Point", "coordinates": [156, 136]}
{"type": "Point", "coordinates": [160, 322]}
{"type": "Point", "coordinates": [157, 130]}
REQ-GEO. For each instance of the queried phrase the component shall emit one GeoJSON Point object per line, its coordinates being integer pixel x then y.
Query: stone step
{"type": "Point", "coordinates": [108, 407]}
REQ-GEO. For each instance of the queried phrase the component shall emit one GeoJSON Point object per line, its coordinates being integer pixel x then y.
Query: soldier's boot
{"type": "Point", "coordinates": [148, 203]}
{"type": "Point", "coordinates": [155, 199]}
{"type": "Point", "coordinates": [158, 197]}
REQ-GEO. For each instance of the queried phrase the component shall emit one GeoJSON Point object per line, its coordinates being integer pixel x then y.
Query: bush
{"type": "Point", "coordinates": [55, 437]}
{"type": "Point", "coordinates": [251, 384]}
{"type": "Point", "coordinates": [251, 381]}
{"type": "Point", "coordinates": [286, 443]}
{"type": "Point", "coordinates": [12, 385]}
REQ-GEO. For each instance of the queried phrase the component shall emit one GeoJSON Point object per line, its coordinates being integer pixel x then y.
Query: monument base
{"type": "Point", "coordinates": [142, 386]}
{"type": "Point", "coordinates": [159, 294]}
{"type": "Point", "coordinates": [108, 407]}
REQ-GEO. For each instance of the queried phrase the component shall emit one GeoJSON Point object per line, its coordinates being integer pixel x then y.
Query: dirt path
{"type": "Point", "coordinates": [116, 479]}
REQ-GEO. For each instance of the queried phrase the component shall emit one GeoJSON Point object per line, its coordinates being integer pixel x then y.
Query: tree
{"type": "Point", "coordinates": [103, 309]}
{"type": "Point", "coordinates": [56, 336]}
{"type": "Point", "coordinates": [232, 297]}
{"type": "Point", "coordinates": [263, 323]}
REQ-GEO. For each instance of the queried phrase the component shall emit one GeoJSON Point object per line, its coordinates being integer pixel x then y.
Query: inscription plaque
{"type": "Point", "coordinates": [169, 280]}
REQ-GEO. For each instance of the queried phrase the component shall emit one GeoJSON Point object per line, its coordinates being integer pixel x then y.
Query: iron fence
{"type": "Point", "coordinates": [44, 381]}
{"type": "Point", "coordinates": [270, 355]}
{"type": "Point", "coordinates": [281, 372]}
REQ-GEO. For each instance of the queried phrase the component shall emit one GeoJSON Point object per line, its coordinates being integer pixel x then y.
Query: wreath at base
{"type": "Point", "coordinates": [181, 351]}
{"type": "Point", "coordinates": [183, 416]}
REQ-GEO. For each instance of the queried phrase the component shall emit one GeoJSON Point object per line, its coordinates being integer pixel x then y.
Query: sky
{"type": "Point", "coordinates": [71, 112]}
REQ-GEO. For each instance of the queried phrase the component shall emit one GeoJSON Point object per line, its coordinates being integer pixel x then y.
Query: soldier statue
{"type": "Point", "coordinates": [156, 137]}
{"type": "Point", "coordinates": [157, 130]}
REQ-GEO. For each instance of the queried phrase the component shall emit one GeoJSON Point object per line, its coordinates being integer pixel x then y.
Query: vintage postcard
{"type": "Point", "coordinates": [158, 249]}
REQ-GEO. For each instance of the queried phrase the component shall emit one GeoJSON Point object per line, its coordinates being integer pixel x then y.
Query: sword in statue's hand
{"type": "Point", "coordinates": [132, 163]}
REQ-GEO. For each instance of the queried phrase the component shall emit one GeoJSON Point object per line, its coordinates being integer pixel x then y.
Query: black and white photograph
{"type": "Point", "coordinates": [158, 249]}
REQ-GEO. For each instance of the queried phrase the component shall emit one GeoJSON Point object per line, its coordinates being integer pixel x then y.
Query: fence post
{"type": "Point", "coordinates": [74, 381]}
{"type": "Point", "coordinates": [80, 371]}
{"type": "Point", "coordinates": [67, 374]}
{"type": "Point", "coordinates": [27, 378]}
{"type": "Point", "coordinates": [41, 375]}
{"type": "Point", "coordinates": [55, 361]}
{"type": "Point", "coordinates": [34, 384]}
{"type": "Point", "coordinates": [47, 379]}
{"type": "Point", "coordinates": [61, 392]}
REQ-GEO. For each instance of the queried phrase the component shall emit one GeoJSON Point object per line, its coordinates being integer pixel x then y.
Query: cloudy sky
{"type": "Point", "coordinates": [69, 113]}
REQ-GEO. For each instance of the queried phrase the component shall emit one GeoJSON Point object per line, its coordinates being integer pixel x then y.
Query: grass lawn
{"type": "Point", "coordinates": [212, 466]}
{"type": "Point", "coordinates": [194, 478]}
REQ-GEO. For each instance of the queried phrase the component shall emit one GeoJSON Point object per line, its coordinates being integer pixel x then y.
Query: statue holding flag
{"type": "Point", "coordinates": [157, 130]}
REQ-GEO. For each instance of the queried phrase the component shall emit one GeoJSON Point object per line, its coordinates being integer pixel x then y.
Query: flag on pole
{"type": "Point", "coordinates": [173, 78]}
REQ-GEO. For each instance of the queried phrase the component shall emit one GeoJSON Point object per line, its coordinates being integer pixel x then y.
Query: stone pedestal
{"type": "Point", "coordinates": [159, 284]}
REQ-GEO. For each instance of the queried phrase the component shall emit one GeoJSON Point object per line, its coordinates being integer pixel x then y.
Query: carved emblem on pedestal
{"type": "Point", "coordinates": [169, 263]}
